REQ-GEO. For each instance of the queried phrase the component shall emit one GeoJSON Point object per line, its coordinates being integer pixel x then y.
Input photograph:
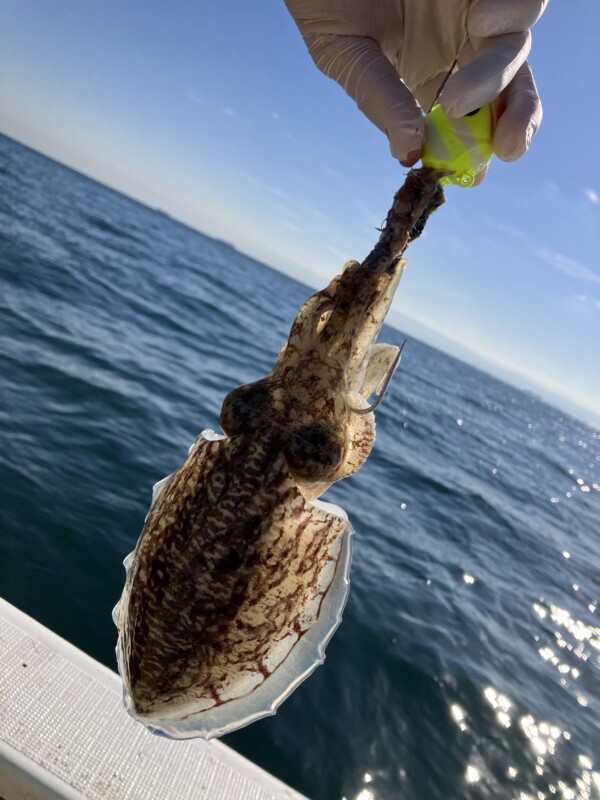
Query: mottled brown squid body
{"type": "Point", "coordinates": [240, 576]}
{"type": "Point", "coordinates": [227, 566]}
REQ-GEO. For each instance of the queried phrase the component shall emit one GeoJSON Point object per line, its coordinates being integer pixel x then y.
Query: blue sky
{"type": "Point", "coordinates": [214, 113]}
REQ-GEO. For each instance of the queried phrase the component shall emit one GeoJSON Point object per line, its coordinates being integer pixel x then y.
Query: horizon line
{"type": "Point", "coordinates": [590, 417]}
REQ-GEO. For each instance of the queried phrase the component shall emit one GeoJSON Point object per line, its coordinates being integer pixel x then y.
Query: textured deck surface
{"type": "Point", "coordinates": [65, 734]}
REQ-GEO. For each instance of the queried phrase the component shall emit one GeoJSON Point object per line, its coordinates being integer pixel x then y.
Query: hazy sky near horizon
{"type": "Point", "coordinates": [215, 113]}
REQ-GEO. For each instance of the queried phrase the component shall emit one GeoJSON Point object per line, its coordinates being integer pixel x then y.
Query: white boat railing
{"type": "Point", "coordinates": [65, 734]}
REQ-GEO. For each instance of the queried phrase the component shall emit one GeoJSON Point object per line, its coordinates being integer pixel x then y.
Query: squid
{"type": "Point", "coordinates": [240, 575]}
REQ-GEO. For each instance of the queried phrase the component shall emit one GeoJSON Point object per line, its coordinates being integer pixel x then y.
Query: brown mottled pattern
{"type": "Point", "coordinates": [233, 562]}
{"type": "Point", "coordinates": [226, 566]}
{"type": "Point", "coordinates": [318, 378]}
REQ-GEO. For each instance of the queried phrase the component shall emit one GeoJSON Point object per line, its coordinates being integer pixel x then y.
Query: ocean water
{"type": "Point", "coordinates": [468, 661]}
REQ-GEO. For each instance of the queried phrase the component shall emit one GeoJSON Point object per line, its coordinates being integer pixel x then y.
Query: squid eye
{"type": "Point", "coordinates": [313, 452]}
{"type": "Point", "coordinates": [246, 408]}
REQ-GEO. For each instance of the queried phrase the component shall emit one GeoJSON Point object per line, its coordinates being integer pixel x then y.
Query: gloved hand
{"type": "Point", "coordinates": [391, 56]}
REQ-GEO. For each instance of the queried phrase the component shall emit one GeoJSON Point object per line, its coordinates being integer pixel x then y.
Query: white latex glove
{"type": "Point", "coordinates": [391, 56]}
